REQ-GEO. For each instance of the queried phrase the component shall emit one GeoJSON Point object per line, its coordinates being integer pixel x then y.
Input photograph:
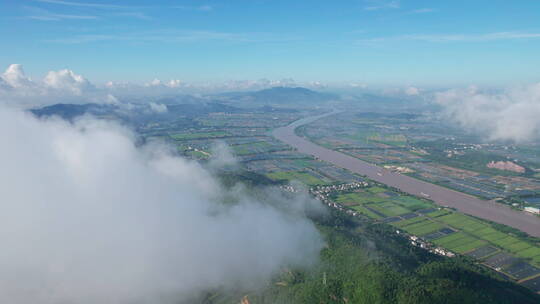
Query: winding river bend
{"type": "Point", "coordinates": [443, 196]}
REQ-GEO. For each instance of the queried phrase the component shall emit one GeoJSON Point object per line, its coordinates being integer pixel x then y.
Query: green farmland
{"type": "Point", "coordinates": [378, 203]}
{"type": "Point", "coordinates": [383, 201]}
{"type": "Point", "coordinates": [423, 228]}
{"type": "Point", "coordinates": [251, 148]}
{"type": "Point", "coordinates": [301, 176]}
{"type": "Point", "coordinates": [389, 208]}
{"type": "Point", "coordinates": [199, 135]}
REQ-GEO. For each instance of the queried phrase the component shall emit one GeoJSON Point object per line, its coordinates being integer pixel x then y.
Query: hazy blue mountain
{"type": "Point", "coordinates": [133, 112]}
{"type": "Point", "coordinates": [196, 109]}
{"type": "Point", "coordinates": [282, 96]}
{"type": "Point", "coordinates": [70, 111]}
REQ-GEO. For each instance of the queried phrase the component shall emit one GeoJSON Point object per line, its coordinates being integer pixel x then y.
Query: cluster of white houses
{"type": "Point", "coordinates": [322, 193]}
{"type": "Point", "coordinates": [325, 190]}
{"type": "Point", "coordinates": [418, 242]}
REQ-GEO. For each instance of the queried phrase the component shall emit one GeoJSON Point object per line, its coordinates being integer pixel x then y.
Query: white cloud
{"type": "Point", "coordinates": [37, 13]}
{"type": "Point", "coordinates": [412, 91]}
{"type": "Point", "coordinates": [84, 4]}
{"type": "Point", "coordinates": [448, 38]}
{"type": "Point", "coordinates": [222, 156]}
{"type": "Point", "coordinates": [15, 77]}
{"type": "Point", "coordinates": [136, 15]}
{"type": "Point", "coordinates": [91, 218]}
{"type": "Point", "coordinates": [358, 85]}
{"type": "Point", "coordinates": [67, 80]}
{"type": "Point", "coordinates": [158, 107]}
{"type": "Point", "coordinates": [3, 84]}
{"type": "Point", "coordinates": [174, 83]}
{"type": "Point", "coordinates": [154, 83]}
{"type": "Point", "coordinates": [317, 85]}
{"type": "Point", "coordinates": [67, 86]}
{"type": "Point", "coordinates": [56, 87]}
{"type": "Point", "coordinates": [511, 115]}
{"type": "Point", "coordinates": [111, 99]}
{"type": "Point", "coordinates": [100, 11]}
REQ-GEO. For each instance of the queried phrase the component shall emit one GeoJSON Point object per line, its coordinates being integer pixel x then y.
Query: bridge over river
{"type": "Point", "coordinates": [443, 196]}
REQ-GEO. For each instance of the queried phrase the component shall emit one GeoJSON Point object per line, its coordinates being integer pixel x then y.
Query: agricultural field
{"type": "Point", "coordinates": [484, 232]}
{"type": "Point", "coordinates": [366, 211]}
{"type": "Point", "coordinates": [412, 203]}
{"type": "Point", "coordinates": [463, 234]}
{"type": "Point", "coordinates": [257, 147]}
{"type": "Point", "coordinates": [398, 140]}
{"type": "Point", "coordinates": [199, 135]}
{"type": "Point", "coordinates": [376, 189]}
{"type": "Point", "coordinates": [381, 201]}
{"type": "Point", "coordinates": [360, 198]}
{"type": "Point", "coordinates": [459, 242]}
{"type": "Point", "coordinates": [438, 213]}
{"type": "Point", "coordinates": [423, 228]}
{"type": "Point", "coordinates": [279, 161]}
{"type": "Point", "coordinates": [305, 177]}
{"type": "Point", "coordinates": [411, 221]}
{"type": "Point", "coordinates": [389, 208]}
{"type": "Point", "coordinates": [461, 221]}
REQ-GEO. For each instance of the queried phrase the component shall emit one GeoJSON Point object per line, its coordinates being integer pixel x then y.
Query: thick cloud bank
{"type": "Point", "coordinates": [513, 115]}
{"type": "Point", "coordinates": [88, 217]}
{"type": "Point", "coordinates": [56, 86]}
{"type": "Point", "coordinates": [67, 80]}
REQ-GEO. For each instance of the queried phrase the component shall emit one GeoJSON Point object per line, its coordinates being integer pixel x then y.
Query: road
{"type": "Point", "coordinates": [443, 196]}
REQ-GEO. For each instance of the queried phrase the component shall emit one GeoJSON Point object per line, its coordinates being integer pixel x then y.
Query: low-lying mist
{"type": "Point", "coordinates": [511, 115]}
{"type": "Point", "coordinates": [88, 217]}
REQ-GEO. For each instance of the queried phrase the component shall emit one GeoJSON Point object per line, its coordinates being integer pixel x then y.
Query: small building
{"type": "Point", "coordinates": [532, 210]}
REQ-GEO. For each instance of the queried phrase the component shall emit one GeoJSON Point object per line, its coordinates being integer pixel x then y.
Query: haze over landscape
{"type": "Point", "coordinates": [366, 151]}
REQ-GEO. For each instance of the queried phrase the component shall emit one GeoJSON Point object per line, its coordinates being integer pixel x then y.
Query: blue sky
{"type": "Point", "coordinates": [429, 43]}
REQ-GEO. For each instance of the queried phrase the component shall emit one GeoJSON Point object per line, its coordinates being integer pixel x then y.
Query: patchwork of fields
{"type": "Point", "coordinates": [307, 177]}
{"type": "Point", "coordinates": [457, 232]}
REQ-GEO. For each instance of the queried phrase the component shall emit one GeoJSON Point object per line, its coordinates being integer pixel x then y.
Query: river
{"type": "Point", "coordinates": [443, 196]}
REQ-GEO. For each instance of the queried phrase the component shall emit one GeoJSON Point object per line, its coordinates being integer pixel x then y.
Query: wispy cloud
{"type": "Point", "coordinates": [58, 17]}
{"type": "Point", "coordinates": [178, 36]}
{"type": "Point", "coordinates": [84, 39]}
{"type": "Point", "coordinates": [375, 5]}
{"type": "Point", "coordinates": [442, 38]}
{"type": "Point", "coordinates": [84, 4]}
{"type": "Point", "coordinates": [136, 15]}
{"type": "Point", "coordinates": [44, 15]}
{"type": "Point", "coordinates": [203, 8]}
{"type": "Point", "coordinates": [98, 11]}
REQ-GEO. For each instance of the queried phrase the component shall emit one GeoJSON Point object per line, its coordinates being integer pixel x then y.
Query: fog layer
{"type": "Point", "coordinates": [87, 217]}
{"type": "Point", "coordinates": [511, 115]}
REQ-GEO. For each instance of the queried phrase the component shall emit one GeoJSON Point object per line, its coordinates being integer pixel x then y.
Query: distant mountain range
{"type": "Point", "coordinates": [70, 111]}
{"type": "Point", "coordinates": [133, 111]}
{"type": "Point", "coordinates": [281, 96]}
{"type": "Point", "coordinates": [191, 106]}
